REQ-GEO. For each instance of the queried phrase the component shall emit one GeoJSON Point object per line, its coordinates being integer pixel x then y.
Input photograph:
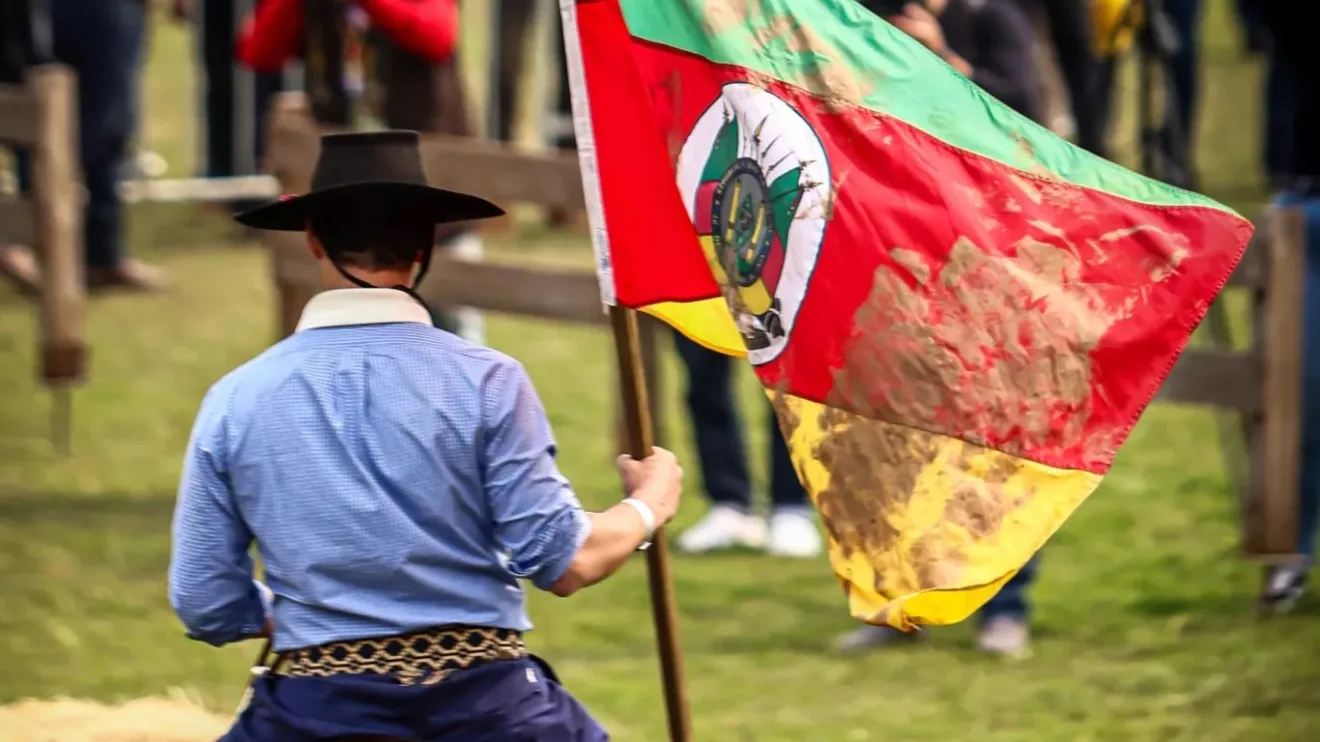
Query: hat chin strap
{"type": "Point", "coordinates": [423, 266]}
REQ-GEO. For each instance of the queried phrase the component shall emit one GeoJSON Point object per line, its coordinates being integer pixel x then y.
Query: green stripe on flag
{"type": "Point", "coordinates": [839, 49]}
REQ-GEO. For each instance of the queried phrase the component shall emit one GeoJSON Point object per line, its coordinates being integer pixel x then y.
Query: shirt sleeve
{"type": "Point", "coordinates": [211, 581]}
{"type": "Point", "coordinates": [538, 521]}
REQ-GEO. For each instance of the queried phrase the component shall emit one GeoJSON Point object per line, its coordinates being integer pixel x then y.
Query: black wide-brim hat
{"type": "Point", "coordinates": [381, 166]}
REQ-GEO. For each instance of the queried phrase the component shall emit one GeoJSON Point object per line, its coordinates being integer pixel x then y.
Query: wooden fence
{"type": "Point", "coordinates": [1259, 391]}
{"type": "Point", "coordinates": [39, 117]}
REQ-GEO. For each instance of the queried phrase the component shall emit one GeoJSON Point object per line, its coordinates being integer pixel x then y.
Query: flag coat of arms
{"type": "Point", "coordinates": [958, 316]}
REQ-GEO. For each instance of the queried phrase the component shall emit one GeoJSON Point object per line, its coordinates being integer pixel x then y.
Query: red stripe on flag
{"type": "Point", "coordinates": [1018, 312]}
{"type": "Point", "coordinates": [643, 212]}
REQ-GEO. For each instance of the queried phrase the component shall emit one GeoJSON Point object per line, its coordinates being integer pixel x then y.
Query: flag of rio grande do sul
{"type": "Point", "coordinates": [957, 315]}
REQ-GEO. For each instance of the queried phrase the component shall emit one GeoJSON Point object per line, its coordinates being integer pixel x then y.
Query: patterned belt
{"type": "Point", "coordinates": [420, 658]}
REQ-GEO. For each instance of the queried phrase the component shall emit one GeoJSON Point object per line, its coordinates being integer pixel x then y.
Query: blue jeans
{"type": "Point", "coordinates": [1185, 15]}
{"type": "Point", "coordinates": [719, 437]}
{"type": "Point", "coordinates": [101, 40]}
{"type": "Point", "coordinates": [1308, 516]}
{"type": "Point", "coordinates": [1011, 601]}
{"type": "Point", "coordinates": [1279, 111]}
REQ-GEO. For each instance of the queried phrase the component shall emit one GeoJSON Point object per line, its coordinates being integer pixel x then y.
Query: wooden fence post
{"type": "Point", "coordinates": [40, 115]}
{"type": "Point", "coordinates": [1271, 510]}
{"type": "Point", "coordinates": [58, 209]}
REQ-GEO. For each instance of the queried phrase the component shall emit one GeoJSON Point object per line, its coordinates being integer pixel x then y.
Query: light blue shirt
{"type": "Point", "coordinates": [393, 477]}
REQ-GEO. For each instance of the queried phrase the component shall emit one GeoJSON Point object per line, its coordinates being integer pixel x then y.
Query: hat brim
{"type": "Point", "coordinates": [436, 204]}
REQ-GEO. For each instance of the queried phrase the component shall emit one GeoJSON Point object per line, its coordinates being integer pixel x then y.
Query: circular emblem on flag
{"type": "Point", "coordinates": [756, 182]}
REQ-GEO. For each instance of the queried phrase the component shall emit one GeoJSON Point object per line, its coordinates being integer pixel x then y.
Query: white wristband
{"type": "Point", "coordinates": [648, 518]}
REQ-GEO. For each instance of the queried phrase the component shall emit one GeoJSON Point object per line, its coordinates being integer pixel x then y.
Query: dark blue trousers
{"type": "Point", "coordinates": [102, 41]}
{"type": "Point", "coordinates": [506, 701]}
{"type": "Point", "coordinates": [1279, 111]}
{"type": "Point", "coordinates": [1011, 601]}
{"type": "Point", "coordinates": [720, 448]}
{"type": "Point", "coordinates": [229, 109]}
{"type": "Point", "coordinates": [1177, 134]}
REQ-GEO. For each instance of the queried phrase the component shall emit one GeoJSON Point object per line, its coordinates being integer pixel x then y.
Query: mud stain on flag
{"type": "Point", "coordinates": [873, 470]}
{"type": "Point", "coordinates": [955, 366]}
{"type": "Point", "coordinates": [722, 16]}
{"type": "Point", "coordinates": [774, 34]}
{"type": "Point", "coordinates": [909, 502]}
{"type": "Point", "coordinates": [945, 363]}
{"type": "Point", "coordinates": [992, 349]}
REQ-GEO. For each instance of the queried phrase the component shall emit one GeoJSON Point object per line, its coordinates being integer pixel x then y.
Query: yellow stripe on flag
{"type": "Point", "coordinates": [707, 323]}
{"type": "Point", "coordinates": [924, 528]}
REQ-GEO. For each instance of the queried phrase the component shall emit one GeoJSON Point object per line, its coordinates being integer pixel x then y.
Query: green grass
{"type": "Point", "coordinates": [1145, 624]}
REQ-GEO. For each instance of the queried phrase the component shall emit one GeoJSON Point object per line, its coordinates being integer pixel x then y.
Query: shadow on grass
{"type": "Point", "coordinates": [134, 513]}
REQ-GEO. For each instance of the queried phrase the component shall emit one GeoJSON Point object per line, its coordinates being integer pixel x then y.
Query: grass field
{"type": "Point", "coordinates": [1145, 625]}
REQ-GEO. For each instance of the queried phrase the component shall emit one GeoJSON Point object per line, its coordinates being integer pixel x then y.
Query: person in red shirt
{"type": "Point", "coordinates": [273, 34]}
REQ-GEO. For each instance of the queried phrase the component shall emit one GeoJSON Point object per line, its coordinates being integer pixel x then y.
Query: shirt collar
{"type": "Point", "coordinates": [343, 307]}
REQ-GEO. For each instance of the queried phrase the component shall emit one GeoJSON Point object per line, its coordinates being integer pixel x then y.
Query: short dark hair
{"type": "Point", "coordinates": [371, 234]}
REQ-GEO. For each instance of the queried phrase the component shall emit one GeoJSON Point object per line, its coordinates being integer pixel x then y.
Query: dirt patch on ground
{"type": "Point", "coordinates": [174, 719]}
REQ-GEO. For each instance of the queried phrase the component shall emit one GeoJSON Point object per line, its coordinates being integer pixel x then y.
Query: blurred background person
{"type": "Point", "coordinates": [515, 20]}
{"type": "Point", "coordinates": [1168, 31]}
{"type": "Point", "coordinates": [990, 42]}
{"type": "Point", "coordinates": [513, 27]}
{"type": "Point", "coordinates": [1276, 129]}
{"type": "Point", "coordinates": [1182, 80]}
{"type": "Point", "coordinates": [1069, 35]}
{"type": "Point", "coordinates": [730, 523]}
{"type": "Point", "coordinates": [102, 41]}
{"type": "Point", "coordinates": [1177, 135]}
{"type": "Point", "coordinates": [234, 99]}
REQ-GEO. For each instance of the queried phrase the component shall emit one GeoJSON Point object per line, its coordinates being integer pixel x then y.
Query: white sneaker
{"type": "Point", "coordinates": [866, 638]}
{"type": "Point", "coordinates": [723, 528]}
{"type": "Point", "coordinates": [793, 533]}
{"type": "Point", "coordinates": [1006, 637]}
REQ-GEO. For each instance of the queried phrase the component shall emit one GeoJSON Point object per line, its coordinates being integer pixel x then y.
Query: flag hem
{"type": "Point", "coordinates": [586, 150]}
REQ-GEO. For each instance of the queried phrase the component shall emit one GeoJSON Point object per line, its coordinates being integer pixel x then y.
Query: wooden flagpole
{"type": "Point", "coordinates": [639, 435]}
{"type": "Point", "coordinates": [638, 426]}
